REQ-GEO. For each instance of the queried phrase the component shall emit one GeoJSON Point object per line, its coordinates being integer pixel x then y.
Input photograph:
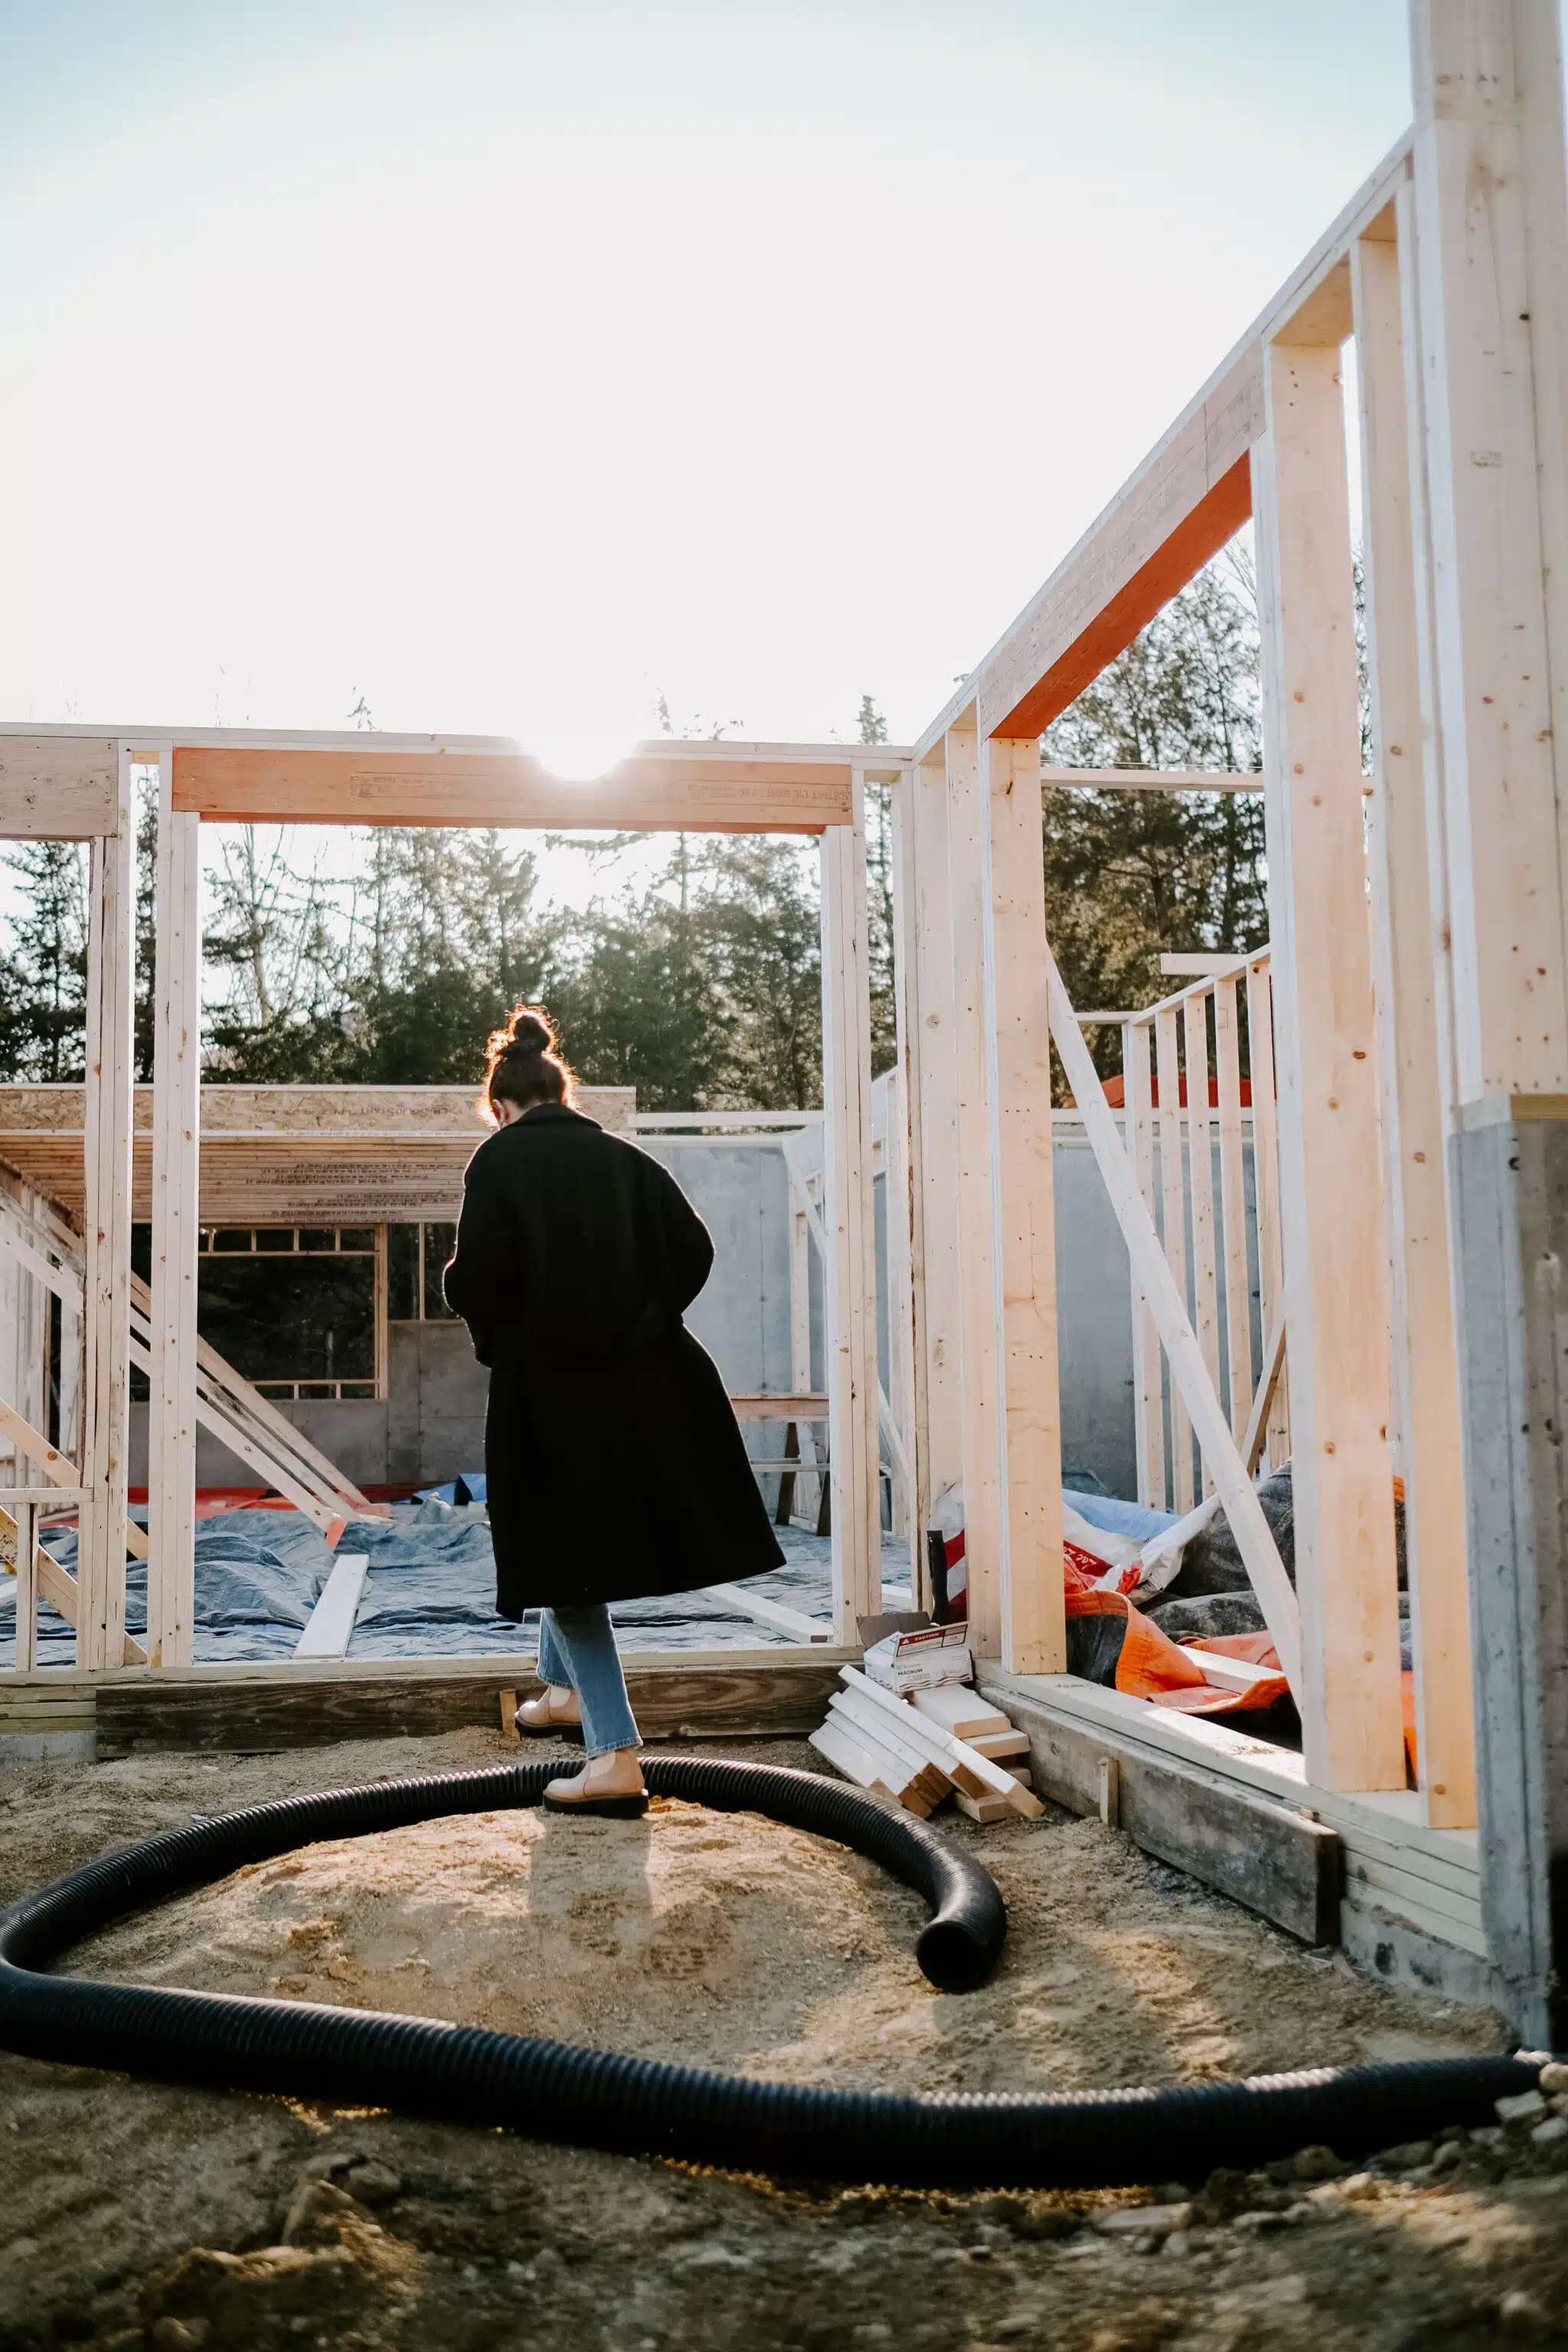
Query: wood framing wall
{"type": "Point", "coordinates": [1486, 311]}
{"type": "Point", "coordinates": [1331, 1176]}
{"type": "Point", "coordinates": [58, 782]}
{"type": "Point", "coordinates": [1412, 1168]}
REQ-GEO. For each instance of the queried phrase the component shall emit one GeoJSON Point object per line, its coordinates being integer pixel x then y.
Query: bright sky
{"type": "Point", "coordinates": [507, 365]}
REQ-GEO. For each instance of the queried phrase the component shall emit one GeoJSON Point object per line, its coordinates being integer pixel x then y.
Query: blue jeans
{"type": "Point", "coordinates": [577, 1652]}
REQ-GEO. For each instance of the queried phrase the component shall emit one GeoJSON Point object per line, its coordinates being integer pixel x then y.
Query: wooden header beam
{"type": "Point", "coordinates": [58, 782]}
{"type": "Point", "coordinates": [647, 792]}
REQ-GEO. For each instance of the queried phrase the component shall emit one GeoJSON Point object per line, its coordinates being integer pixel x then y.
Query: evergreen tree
{"type": "Point", "coordinates": [146, 926]}
{"type": "Point", "coordinates": [43, 1028]}
{"type": "Point", "coordinates": [1131, 875]}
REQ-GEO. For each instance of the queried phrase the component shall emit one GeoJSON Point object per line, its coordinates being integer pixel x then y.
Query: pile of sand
{"type": "Point", "coordinates": [731, 1941]}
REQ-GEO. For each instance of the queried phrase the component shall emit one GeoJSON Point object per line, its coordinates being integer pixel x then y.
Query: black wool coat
{"type": "Point", "coordinates": [614, 1462]}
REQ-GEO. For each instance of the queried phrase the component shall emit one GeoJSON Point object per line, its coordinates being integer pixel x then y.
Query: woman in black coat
{"type": "Point", "coordinates": [614, 1462]}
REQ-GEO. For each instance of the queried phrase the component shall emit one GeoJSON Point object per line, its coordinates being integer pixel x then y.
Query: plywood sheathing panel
{"type": "Point", "coordinates": [286, 1155]}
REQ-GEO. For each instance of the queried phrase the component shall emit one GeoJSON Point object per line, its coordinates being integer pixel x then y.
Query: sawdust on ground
{"type": "Point", "coordinates": [138, 2215]}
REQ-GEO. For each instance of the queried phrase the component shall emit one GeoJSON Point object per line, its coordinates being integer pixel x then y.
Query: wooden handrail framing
{"type": "Point", "coordinates": [1189, 1374]}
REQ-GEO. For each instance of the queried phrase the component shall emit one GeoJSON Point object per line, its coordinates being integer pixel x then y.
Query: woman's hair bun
{"type": "Point", "coordinates": [527, 1034]}
{"type": "Point", "coordinates": [522, 1061]}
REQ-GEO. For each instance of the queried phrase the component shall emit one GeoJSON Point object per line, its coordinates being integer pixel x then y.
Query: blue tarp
{"type": "Point", "coordinates": [1117, 1517]}
{"type": "Point", "coordinates": [430, 1591]}
{"type": "Point", "coordinates": [469, 1488]}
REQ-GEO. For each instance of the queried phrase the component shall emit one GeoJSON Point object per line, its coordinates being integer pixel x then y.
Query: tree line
{"type": "Point", "coordinates": [697, 978]}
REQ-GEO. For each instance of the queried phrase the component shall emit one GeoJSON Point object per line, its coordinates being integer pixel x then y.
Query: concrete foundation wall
{"type": "Point", "coordinates": [430, 1427]}
{"type": "Point", "coordinates": [740, 1191]}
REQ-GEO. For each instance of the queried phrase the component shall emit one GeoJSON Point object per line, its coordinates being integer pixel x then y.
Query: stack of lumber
{"type": "Point", "coordinates": [940, 1743]}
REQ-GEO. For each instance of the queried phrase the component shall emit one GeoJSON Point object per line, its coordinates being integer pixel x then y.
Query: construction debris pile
{"type": "Point", "coordinates": [932, 1738]}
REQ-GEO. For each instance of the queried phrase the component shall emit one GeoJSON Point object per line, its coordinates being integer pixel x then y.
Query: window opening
{"type": "Point", "coordinates": [416, 1257]}
{"type": "Point", "coordinates": [309, 1322]}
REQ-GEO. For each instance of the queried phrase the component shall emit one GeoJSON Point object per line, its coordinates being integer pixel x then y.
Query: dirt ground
{"type": "Point", "coordinates": [134, 2215]}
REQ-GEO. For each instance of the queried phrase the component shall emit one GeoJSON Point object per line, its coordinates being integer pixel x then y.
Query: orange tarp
{"type": "Point", "coordinates": [1152, 1666]}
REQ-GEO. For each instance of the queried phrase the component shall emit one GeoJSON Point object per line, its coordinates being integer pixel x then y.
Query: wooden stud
{"type": "Point", "coordinates": [23, 1517]}
{"type": "Point", "coordinates": [962, 1711]}
{"type": "Point", "coordinates": [984, 1810]}
{"type": "Point", "coordinates": [968, 820]}
{"type": "Point", "coordinates": [1173, 1235]}
{"type": "Point", "coordinates": [383, 1333]}
{"type": "Point", "coordinates": [1503, 845]}
{"type": "Point", "coordinates": [797, 1433]}
{"type": "Point", "coordinates": [906, 1199]}
{"type": "Point", "coordinates": [101, 1573]}
{"type": "Point", "coordinates": [1425, 1362]}
{"type": "Point", "coordinates": [939, 1287]}
{"type": "Point", "coordinates": [1232, 1204]}
{"type": "Point", "coordinates": [1331, 1174]}
{"type": "Point", "coordinates": [850, 1288]}
{"type": "Point", "coordinates": [1265, 1178]}
{"type": "Point", "coordinates": [894, 1413]}
{"type": "Point", "coordinates": [1252, 1439]}
{"type": "Point", "coordinates": [1488, 330]}
{"type": "Point", "coordinates": [1199, 1179]}
{"type": "Point", "coordinates": [1148, 1399]}
{"type": "Point", "coordinates": [895, 1732]}
{"type": "Point", "coordinates": [176, 1115]}
{"type": "Point", "coordinates": [1022, 1211]}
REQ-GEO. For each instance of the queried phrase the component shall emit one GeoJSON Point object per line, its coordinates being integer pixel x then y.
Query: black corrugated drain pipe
{"type": "Point", "coordinates": [592, 2098]}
